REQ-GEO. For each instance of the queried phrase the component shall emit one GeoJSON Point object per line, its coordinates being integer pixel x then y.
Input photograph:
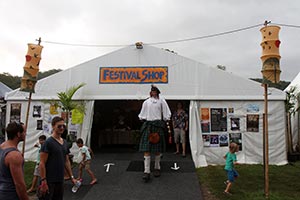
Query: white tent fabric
{"type": "Point", "coordinates": [196, 142]}
{"type": "Point", "coordinates": [295, 118]}
{"type": "Point", "coordinates": [202, 85]}
{"type": "Point", "coordinates": [187, 79]}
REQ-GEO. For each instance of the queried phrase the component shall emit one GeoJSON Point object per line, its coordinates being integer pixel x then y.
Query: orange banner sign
{"type": "Point", "coordinates": [133, 75]}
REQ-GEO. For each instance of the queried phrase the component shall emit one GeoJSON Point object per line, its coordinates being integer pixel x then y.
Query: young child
{"type": "Point", "coordinates": [229, 166]}
{"type": "Point", "coordinates": [36, 173]}
{"type": "Point", "coordinates": [86, 161]}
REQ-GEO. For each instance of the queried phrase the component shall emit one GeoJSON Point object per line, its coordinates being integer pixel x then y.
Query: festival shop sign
{"type": "Point", "coordinates": [157, 74]}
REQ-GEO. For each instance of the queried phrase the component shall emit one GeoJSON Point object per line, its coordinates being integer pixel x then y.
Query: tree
{"type": "Point", "coordinates": [292, 106]}
{"type": "Point", "coordinates": [67, 104]}
{"type": "Point", "coordinates": [14, 82]}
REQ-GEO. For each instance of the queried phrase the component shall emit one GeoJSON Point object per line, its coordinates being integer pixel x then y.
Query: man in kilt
{"type": "Point", "coordinates": [154, 111]}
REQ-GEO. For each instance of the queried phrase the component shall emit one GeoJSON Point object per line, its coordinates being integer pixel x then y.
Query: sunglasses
{"type": "Point", "coordinates": [61, 126]}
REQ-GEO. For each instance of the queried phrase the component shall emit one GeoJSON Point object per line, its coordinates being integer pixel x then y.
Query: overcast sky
{"type": "Point", "coordinates": [124, 22]}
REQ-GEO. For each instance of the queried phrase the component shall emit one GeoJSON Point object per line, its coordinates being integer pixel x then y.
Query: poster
{"type": "Point", "coordinates": [218, 119]}
{"type": "Point", "coordinates": [214, 140]}
{"type": "Point", "coordinates": [206, 140]}
{"type": "Point", "coordinates": [73, 135]}
{"type": "Point", "coordinates": [252, 123]}
{"type": "Point", "coordinates": [235, 124]}
{"type": "Point", "coordinates": [53, 109]}
{"type": "Point", "coordinates": [39, 124]}
{"type": "Point", "coordinates": [77, 116]}
{"type": "Point", "coordinates": [223, 138]}
{"type": "Point", "coordinates": [236, 138]}
{"type": "Point", "coordinates": [205, 123]}
{"type": "Point", "coordinates": [37, 111]}
{"type": "Point", "coordinates": [15, 112]}
{"type": "Point", "coordinates": [252, 108]}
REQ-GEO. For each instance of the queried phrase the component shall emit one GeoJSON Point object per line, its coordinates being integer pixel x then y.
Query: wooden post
{"type": "Point", "coordinates": [28, 110]}
{"type": "Point", "coordinates": [266, 143]}
{"type": "Point", "coordinates": [26, 122]}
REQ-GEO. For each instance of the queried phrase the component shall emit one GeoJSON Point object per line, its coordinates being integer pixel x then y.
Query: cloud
{"type": "Point", "coordinates": [128, 21]}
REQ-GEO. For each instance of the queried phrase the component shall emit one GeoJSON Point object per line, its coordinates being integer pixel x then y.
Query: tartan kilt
{"type": "Point", "coordinates": [148, 127]}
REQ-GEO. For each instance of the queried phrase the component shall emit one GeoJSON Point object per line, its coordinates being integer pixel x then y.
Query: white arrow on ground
{"type": "Point", "coordinates": [175, 167]}
{"type": "Point", "coordinates": [108, 165]}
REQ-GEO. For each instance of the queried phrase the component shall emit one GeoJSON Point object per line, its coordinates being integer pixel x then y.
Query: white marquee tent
{"type": "Point", "coordinates": [207, 88]}
{"type": "Point", "coordinates": [295, 118]}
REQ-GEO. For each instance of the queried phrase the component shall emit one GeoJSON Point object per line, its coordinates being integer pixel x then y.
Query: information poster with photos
{"type": "Point", "coordinates": [205, 120]}
{"type": "Point", "coordinates": [236, 138]}
{"type": "Point", "coordinates": [214, 140]}
{"type": "Point", "coordinates": [235, 124]}
{"type": "Point", "coordinates": [15, 112]}
{"type": "Point", "coordinates": [223, 138]}
{"type": "Point", "coordinates": [218, 119]}
{"type": "Point", "coordinates": [252, 123]}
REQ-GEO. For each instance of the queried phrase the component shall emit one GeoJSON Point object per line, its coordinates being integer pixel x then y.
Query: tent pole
{"type": "Point", "coordinates": [26, 122]}
{"type": "Point", "coordinates": [266, 144]}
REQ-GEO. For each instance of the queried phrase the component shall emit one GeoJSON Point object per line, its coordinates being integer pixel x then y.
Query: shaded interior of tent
{"type": "Point", "coordinates": [116, 126]}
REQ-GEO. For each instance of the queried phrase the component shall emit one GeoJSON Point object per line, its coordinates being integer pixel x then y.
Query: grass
{"type": "Point", "coordinates": [283, 182]}
{"type": "Point", "coordinates": [28, 172]}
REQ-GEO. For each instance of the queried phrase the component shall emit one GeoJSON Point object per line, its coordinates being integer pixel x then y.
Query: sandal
{"type": "Point", "coordinates": [93, 182]}
{"type": "Point", "coordinates": [227, 193]}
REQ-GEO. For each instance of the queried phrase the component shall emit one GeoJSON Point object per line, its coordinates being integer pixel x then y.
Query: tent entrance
{"type": "Point", "coordinates": [116, 126]}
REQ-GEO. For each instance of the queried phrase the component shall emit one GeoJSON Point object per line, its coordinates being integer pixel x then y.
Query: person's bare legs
{"type": "Point", "coordinates": [228, 187]}
{"type": "Point", "coordinates": [33, 185]}
{"type": "Point", "coordinates": [81, 166]}
{"type": "Point", "coordinates": [94, 180]}
{"type": "Point", "coordinates": [177, 148]}
{"type": "Point", "coordinates": [183, 149]}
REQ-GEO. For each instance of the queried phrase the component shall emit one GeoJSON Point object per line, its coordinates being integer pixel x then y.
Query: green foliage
{"type": "Point", "coordinates": [66, 102]}
{"type": "Point", "coordinates": [28, 172]}
{"type": "Point", "coordinates": [14, 82]}
{"type": "Point", "coordinates": [283, 182]}
{"type": "Point", "coordinates": [292, 97]}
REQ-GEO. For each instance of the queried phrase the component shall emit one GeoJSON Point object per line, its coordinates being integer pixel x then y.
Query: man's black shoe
{"type": "Point", "coordinates": [156, 173]}
{"type": "Point", "coordinates": [146, 177]}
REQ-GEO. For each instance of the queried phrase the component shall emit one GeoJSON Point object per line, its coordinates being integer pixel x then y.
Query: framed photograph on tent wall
{"type": "Point", "coordinates": [235, 124]}
{"type": "Point", "coordinates": [252, 123]}
{"type": "Point", "coordinates": [218, 119]}
{"type": "Point", "coordinates": [39, 124]}
{"type": "Point", "coordinates": [15, 112]}
{"type": "Point", "coordinates": [236, 138]}
{"type": "Point", "coordinates": [206, 140]}
{"type": "Point", "coordinates": [37, 111]}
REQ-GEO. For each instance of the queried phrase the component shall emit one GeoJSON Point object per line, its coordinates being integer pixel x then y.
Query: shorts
{"type": "Point", "coordinates": [232, 174]}
{"type": "Point", "coordinates": [87, 165]}
{"type": "Point", "coordinates": [36, 170]}
{"type": "Point", "coordinates": [179, 133]}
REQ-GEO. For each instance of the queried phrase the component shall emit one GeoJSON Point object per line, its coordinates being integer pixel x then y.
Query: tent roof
{"type": "Point", "coordinates": [187, 79]}
{"type": "Point", "coordinates": [3, 89]}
